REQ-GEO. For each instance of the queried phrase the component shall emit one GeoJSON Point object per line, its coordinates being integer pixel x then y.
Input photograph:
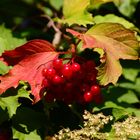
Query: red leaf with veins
{"type": "Point", "coordinates": [31, 47]}
{"type": "Point", "coordinates": [29, 61]}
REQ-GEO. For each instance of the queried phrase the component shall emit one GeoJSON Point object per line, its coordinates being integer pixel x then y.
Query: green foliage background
{"type": "Point", "coordinates": [22, 20]}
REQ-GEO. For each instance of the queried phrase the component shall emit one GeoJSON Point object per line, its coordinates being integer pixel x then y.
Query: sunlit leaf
{"type": "Point", "coordinates": [127, 7]}
{"type": "Point", "coordinates": [22, 136]}
{"type": "Point", "coordinates": [7, 40]}
{"type": "Point", "coordinates": [117, 43]}
{"type": "Point", "coordinates": [75, 12]}
{"type": "Point", "coordinates": [113, 19]}
{"type": "Point", "coordinates": [3, 68]}
{"type": "Point", "coordinates": [130, 73]}
{"type": "Point", "coordinates": [129, 97]}
{"type": "Point", "coordinates": [97, 3]}
{"type": "Point", "coordinates": [11, 102]}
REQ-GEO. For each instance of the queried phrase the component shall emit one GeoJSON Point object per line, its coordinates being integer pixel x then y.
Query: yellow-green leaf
{"type": "Point", "coordinates": [117, 43]}
{"type": "Point", "coordinates": [75, 12]}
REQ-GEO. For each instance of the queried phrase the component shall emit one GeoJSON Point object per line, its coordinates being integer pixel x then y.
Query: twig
{"type": "Point", "coordinates": [57, 36]}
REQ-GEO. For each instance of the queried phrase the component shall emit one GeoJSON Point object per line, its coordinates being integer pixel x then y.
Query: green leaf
{"type": "Point", "coordinates": [98, 3]}
{"type": "Point", "coordinates": [4, 116]}
{"type": "Point", "coordinates": [129, 97]}
{"type": "Point", "coordinates": [134, 86]}
{"type": "Point", "coordinates": [119, 113]}
{"type": "Point", "coordinates": [3, 68]}
{"type": "Point", "coordinates": [26, 119]}
{"type": "Point", "coordinates": [130, 74]}
{"type": "Point", "coordinates": [22, 136]}
{"type": "Point", "coordinates": [75, 12]}
{"type": "Point", "coordinates": [7, 41]}
{"type": "Point", "coordinates": [11, 102]}
{"type": "Point", "coordinates": [133, 110]}
{"type": "Point", "coordinates": [113, 19]}
{"type": "Point", "coordinates": [127, 7]}
{"type": "Point", "coordinates": [107, 105]}
{"type": "Point", "coordinates": [57, 4]}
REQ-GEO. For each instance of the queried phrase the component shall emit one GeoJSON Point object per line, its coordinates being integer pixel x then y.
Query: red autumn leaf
{"type": "Point", "coordinates": [31, 47]}
{"type": "Point", "coordinates": [29, 61]}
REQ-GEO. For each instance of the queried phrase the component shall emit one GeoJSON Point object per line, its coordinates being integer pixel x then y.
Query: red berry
{"type": "Point", "coordinates": [57, 63]}
{"type": "Point", "coordinates": [95, 89]}
{"type": "Point", "coordinates": [49, 73]}
{"type": "Point", "coordinates": [67, 71]}
{"type": "Point", "coordinates": [75, 67]}
{"type": "Point", "coordinates": [45, 83]}
{"type": "Point", "coordinates": [57, 80]}
{"type": "Point", "coordinates": [44, 72]}
{"type": "Point", "coordinates": [88, 97]}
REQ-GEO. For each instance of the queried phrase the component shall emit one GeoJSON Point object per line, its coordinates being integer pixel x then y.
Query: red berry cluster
{"type": "Point", "coordinates": [71, 82]}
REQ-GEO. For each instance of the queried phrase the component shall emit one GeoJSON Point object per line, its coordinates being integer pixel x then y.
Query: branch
{"type": "Point", "coordinates": [57, 36]}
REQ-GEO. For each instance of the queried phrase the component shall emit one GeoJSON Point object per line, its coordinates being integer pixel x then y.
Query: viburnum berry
{"type": "Point", "coordinates": [88, 96]}
{"type": "Point", "coordinates": [75, 67]}
{"type": "Point", "coordinates": [57, 79]}
{"type": "Point", "coordinates": [95, 89]}
{"type": "Point", "coordinates": [45, 83]}
{"type": "Point", "coordinates": [71, 82]}
{"type": "Point", "coordinates": [44, 72]}
{"type": "Point", "coordinates": [67, 70]}
{"type": "Point", "coordinates": [48, 73]}
{"type": "Point", "coordinates": [57, 63]}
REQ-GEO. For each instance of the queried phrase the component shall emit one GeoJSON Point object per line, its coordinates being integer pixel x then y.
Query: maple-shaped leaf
{"type": "Point", "coordinates": [117, 43]}
{"type": "Point", "coordinates": [29, 61]}
{"type": "Point", "coordinates": [75, 12]}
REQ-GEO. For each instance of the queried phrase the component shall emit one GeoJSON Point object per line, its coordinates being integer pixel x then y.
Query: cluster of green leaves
{"type": "Point", "coordinates": [123, 98]}
{"type": "Point", "coordinates": [27, 121]}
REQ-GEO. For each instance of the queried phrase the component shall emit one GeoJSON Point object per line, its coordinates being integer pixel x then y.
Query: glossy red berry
{"type": "Point", "coordinates": [45, 83]}
{"type": "Point", "coordinates": [57, 64]}
{"type": "Point", "coordinates": [67, 71]}
{"type": "Point", "coordinates": [44, 72]}
{"type": "Point", "coordinates": [88, 96]}
{"type": "Point", "coordinates": [95, 89]}
{"type": "Point", "coordinates": [57, 80]}
{"type": "Point", "coordinates": [75, 67]}
{"type": "Point", "coordinates": [50, 73]}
